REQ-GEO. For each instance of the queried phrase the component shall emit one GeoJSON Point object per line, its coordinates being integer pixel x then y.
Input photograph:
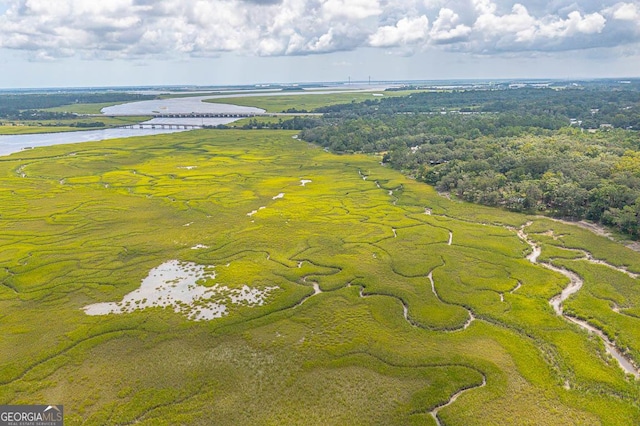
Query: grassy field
{"type": "Point", "coordinates": [308, 102]}
{"type": "Point", "coordinates": [94, 108]}
{"type": "Point", "coordinates": [212, 93]}
{"type": "Point", "coordinates": [55, 126]}
{"type": "Point", "coordinates": [377, 279]}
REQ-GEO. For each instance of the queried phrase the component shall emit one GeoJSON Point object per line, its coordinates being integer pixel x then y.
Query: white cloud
{"type": "Point", "coordinates": [324, 43]}
{"type": "Point", "coordinates": [575, 23]}
{"type": "Point", "coordinates": [484, 7]}
{"type": "Point", "coordinates": [296, 44]}
{"type": "Point", "coordinates": [624, 12]}
{"type": "Point", "coordinates": [518, 22]}
{"type": "Point", "coordinates": [446, 28]}
{"type": "Point", "coordinates": [177, 29]}
{"type": "Point", "coordinates": [406, 31]}
{"type": "Point", "coordinates": [519, 29]}
{"type": "Point", "coordinates": [351, 9]}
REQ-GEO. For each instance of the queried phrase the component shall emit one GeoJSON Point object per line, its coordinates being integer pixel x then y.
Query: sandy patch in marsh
{"type": "Point", "coordinates": [175, 285]}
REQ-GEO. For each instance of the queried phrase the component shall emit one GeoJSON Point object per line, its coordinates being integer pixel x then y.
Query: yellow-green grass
{"type": "Point", "coordinates": [89, 221]}
{"type": "Point", "coordinates": [573, 237]}
{"type": "Point", "coordinates": [308, 102]}
{"type": "Point", "coordinates": [610, 301]}
{"type": "Point", "coordinates": [93, 108]}
{"type": "Point", "coordinates": [56, 126]}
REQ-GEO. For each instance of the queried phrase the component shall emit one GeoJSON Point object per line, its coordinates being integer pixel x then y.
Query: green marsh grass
{"type": "Point", "coordinates": [307, 101]}
{"type": "Point", "coordinates": [83, 108]}
{"type": "Point", "coordinates": [87, 223]}
{"type": "Point", "coordinates": [66, 125]}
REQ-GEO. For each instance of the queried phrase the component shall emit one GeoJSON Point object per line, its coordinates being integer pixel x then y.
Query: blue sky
{"type": "Point", "coordinates": [46, 43]}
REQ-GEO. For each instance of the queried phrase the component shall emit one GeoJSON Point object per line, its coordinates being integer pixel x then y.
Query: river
{"type": "Point", "coordinates": [179, 106]}
{"type": "Point", "coordinates": [10, 144]}
{"type": "Point", "coordinates": [14, 143]}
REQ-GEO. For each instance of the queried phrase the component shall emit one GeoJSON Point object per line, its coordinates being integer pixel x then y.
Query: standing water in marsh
{"type": "Point", "coordinates": [175, 284]}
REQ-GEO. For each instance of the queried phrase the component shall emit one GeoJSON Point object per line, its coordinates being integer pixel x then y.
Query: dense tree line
{"type": "Point", "coordinates": [90, 124]}
{"type": "Point", "coordinates": [295, 123]}
{"type": "Point", "coordinates": [33, 115]}
{"type": "Point", "coordinates": [78, 124]}
{"type": "Point", "coordinates": [592, 107]}
{"type": "Point", "coordinates": [517, 150]}
{"type": "Point", "coordinates": [24, 106]}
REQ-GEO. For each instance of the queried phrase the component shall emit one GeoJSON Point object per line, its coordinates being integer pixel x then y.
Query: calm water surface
{"type": "Point", "coordinates": [16, 143]}
{"type": "Point", "coordinates": [10, 144]}
{"type": "Point", "coordinates": [178, 106]}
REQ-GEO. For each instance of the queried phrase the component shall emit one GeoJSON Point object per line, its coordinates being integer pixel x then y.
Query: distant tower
{"type": "Point", "coordinates": [369, 80]}
{"type": "Point", "coordinates": [349, 80]}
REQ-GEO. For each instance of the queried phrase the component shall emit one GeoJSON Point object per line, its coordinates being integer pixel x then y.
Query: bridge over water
{"type": "Point", "coordinates": [185, 121]}
{"type": "Point", "coordinates": [184, 115]}
{"type": "Point", "coordinates": [206, 115]}
{"type": "Point", "coordinates": [162, 126]}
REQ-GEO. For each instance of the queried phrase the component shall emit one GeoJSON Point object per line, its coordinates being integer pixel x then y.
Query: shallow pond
{"type": "Point", "coordinates": [177, 285]}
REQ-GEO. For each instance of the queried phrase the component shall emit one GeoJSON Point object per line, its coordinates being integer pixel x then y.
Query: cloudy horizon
{"type": "Point", "coordinates": [155, 42]}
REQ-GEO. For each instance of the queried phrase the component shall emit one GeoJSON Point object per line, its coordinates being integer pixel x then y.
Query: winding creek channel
{"type": "Point", "coordinates": [15, 143]}
{"type": "Point", "coordinates": [575, 284]}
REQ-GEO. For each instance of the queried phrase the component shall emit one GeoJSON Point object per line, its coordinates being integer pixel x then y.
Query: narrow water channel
{"type": "Point", "coordinates": [454, 397]}
{"type": "Point", "coordinates": [575, 284]}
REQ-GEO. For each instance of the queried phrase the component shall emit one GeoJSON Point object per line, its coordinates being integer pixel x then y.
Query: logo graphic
{"type": "Point", "coordinates": [31, 415]}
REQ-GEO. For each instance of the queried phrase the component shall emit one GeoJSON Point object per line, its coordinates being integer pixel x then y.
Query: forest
{"type": "Point", "coordinates": [568, 152]}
